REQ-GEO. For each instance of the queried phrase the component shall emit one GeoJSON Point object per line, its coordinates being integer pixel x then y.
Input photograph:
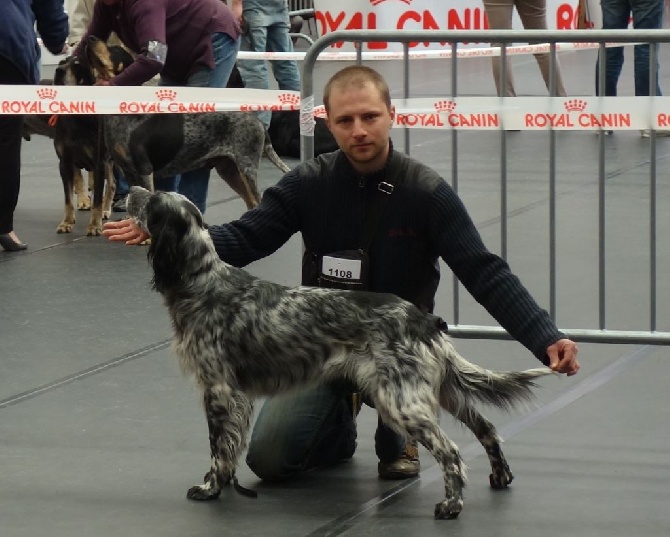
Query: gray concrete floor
{"type": "Point", "coordinates": [101, 435]}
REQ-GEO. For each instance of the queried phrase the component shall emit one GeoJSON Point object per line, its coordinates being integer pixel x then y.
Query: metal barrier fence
{"type": "Point", "coordinates": [601, 334]}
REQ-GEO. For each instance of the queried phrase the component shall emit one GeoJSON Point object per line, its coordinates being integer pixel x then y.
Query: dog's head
{"type": "Point", "coordinates": [73, 71]}
{"type": "Point", "coordinates": [178, 234]}
{"type": "Point", "coordinates": [106, 61]}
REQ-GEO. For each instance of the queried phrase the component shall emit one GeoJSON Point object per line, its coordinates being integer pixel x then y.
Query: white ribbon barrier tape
{"type": "Point", "coordinates": [467, 113]}
{"type": "Point", "coordinates": [475, 52]}
{"type": "Point", "coordinates": [478, 52]}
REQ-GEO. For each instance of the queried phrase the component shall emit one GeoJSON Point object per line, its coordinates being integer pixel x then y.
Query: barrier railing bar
{"type": "Point", "coordinates": [405, 89]}
{"type": "Point", "coordinates": [632, 337]}
{"type": "Point", "coordinates": [602, 60]}
{"type": "Point", "coordinates": [503, 157]}
{"type": "Point", "coordinates": [553, 62]}
{"type": "Point", "coordinates": [653, 61]}
{"type": "Point", "coordinates": [454, 172]}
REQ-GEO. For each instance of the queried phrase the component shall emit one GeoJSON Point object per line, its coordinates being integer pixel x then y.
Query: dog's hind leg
{"type": "Point", "coordinates": [94, 228]}
{"type": "Point", "coordinates": [81, 191]}
{"type": "Point", "coordinates": [67, 173]}
{"type": "Point", "coordinates": [242, 181]}
{"type": "Point", "coordinates": [228, 418]}
{"type": "Point", "coordinates": [110, 189]}
{"type": "Point", "coordinates": [414, 412]}
{"type": "Point", "coordinates": [501, 475]}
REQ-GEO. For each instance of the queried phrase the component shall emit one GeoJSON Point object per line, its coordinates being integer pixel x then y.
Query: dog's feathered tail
{"type": "Point", "coordinates": [466, 381]}
{"type": "Point", "coordinates": [272, 156]}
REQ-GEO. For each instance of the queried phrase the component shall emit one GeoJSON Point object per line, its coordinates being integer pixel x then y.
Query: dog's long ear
{"type": "Point", "coordinates": [167, 254]}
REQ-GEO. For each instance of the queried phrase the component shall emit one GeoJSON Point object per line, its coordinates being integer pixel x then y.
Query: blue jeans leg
{"type": "Point", "coordinates": [167, 184]}
{"type": "Point", "coordinates": [615, 17]}
{"type": "Point", "coordinates": [647, 15]}
{"type": "Point", "coordinates": [302, 430]}
{"type": "Point", "coordinates": [254, 73]}
{"type": "Point", "coordinates": [285, 72]}
{"type": "Point", "coordinates": [122, 186]}
{"type": "Point", "coordinates": [195, 184]}
{"type": "Point", "coordinates": [389, 445]}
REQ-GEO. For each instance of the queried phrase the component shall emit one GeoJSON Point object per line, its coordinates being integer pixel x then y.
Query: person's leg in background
{"type": "Point", "coordinates": [533, 15]}
{"type": "Point", "coordinates": [10, 162]}
{"type": "Point", "coordinates": [195, 184]}
{"type": "Point", "coordinates": [10, 179]}
{"type": "Point", "coordinates": [615, 17]}
{"type": "Point", "coordinates": [499, 14]}
{"type": "Point", "coordinates": [278, 40]}
{"type": "Point", "coordinates": [254, 72]}
{"type": "Point", "coordinates": [647, 15]}
{"type": "Point", "coordinates": [302, 430]}
{"type": "Point", "coordinates": [121, 192]}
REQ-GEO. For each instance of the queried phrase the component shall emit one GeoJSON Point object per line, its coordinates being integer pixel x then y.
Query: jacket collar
{"type": "Point", "coordinates": [374, 177]}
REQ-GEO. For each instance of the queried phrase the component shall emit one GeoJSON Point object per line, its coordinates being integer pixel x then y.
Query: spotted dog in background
{"type": "Point", "coordinates": [148, 146]}
{"type": "Point", "coordinates": [242, 338]}
{"type": "Point", "coordinates": [284, 128]}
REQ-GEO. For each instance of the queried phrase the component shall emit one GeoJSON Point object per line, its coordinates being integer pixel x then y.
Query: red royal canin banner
{"type": "Point", "coordinates": [428, 15]}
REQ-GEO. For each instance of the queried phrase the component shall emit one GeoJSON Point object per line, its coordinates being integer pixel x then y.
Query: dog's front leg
{"type": "Point", "coordinates": [228, 414]}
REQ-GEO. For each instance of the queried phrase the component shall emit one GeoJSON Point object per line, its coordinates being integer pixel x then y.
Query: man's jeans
{"type": "Point", "coordinates": [268, 31]}
{"type": "Point", "coordinates": [647, 15]}
{"type": "Point", "coordinates": [195, 184]}
{"type": "Point", "coordinates": [306, 429]}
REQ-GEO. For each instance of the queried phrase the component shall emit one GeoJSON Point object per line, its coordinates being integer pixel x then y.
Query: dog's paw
{"type": "Point", "coordinates": [65, 227]}
{"type": "Point", "coordinates": [501, 477]}
{"type": "Point", "coordinates": [106, 215]}
{"type": "Point", "coordinates": [93, 230]}
{"type": "Point", "coordinates": [448, 509]}
{"type": "Point", "coordinates": [203, 493]}
{"type": "Point", "coordinates": [84, 204]}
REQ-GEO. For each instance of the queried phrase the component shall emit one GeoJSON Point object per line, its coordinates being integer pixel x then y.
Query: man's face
{"type": "Point", "coordinates": [360, 122]}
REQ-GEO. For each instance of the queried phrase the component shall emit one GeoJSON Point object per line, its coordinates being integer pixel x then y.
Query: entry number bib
{"type": "Point", "coordinates": [347, 269]}
{"type": "Point", "coordinates": [340, 268]}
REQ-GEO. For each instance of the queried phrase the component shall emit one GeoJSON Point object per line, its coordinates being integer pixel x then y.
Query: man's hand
{"type": "Point", "coordinates": [236, 8]}
{"type": "Point", "coordinates": [562, 356]}
{"type": "Point", "coordinates": [125, 230]}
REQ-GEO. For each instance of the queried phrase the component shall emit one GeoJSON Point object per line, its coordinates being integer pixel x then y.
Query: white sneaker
{"type": "Point", "coordinates": [646, 133]}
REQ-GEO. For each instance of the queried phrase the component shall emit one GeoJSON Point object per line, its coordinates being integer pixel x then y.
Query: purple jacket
{"type": "Point", "coordinates": [185, 26]}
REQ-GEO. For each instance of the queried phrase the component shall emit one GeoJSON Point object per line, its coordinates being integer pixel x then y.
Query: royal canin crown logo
{"type": "Point", "coordinates": [445, 106]}
{"type": "Point", "coordinates": [166, 95]}
{"type": "Point", "coordinates": [47, 93]}
{"type": "Point", "coordinates": [289, 98]}
{"type": "Point", "coordinates": [575, 105]}
{"type": "Point", "coordinates": [377, 2]}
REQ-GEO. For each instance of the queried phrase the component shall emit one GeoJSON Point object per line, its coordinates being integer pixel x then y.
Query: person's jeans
{"type": "Point", "coordinates": [647, 15]}
{"type": "Point", "coordinates": [308, 429]}
{"type": "Point", "coordinates": [122, 186]}
{"type": "Point", "coordinates": [195, 184]}
{"type": "Point", "coordinates": [267, 32]}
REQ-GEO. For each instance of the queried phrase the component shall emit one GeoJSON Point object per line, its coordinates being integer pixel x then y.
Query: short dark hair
{"type": "Point", "coordinates": [357, 76]}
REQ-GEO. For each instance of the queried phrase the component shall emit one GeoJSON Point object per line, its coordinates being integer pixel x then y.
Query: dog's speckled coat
{"type": "Point", "coordinates": [242, 337]}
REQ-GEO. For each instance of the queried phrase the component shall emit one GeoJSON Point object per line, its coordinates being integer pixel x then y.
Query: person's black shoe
{"type": "Point", "coordinates": [10, 245]}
